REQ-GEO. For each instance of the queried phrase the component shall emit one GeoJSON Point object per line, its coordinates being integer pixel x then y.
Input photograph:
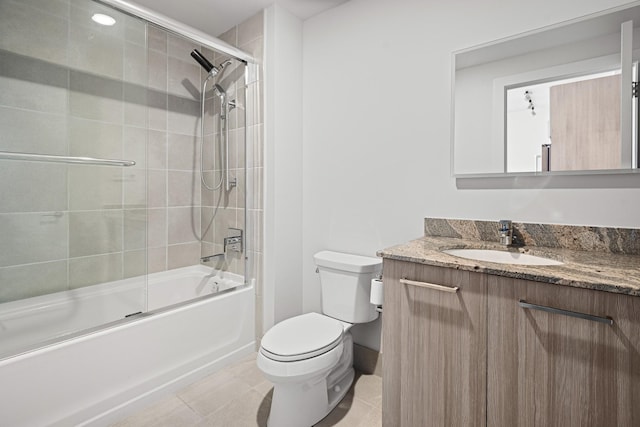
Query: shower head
{"type": "Point", "coordinates": [208, 66]}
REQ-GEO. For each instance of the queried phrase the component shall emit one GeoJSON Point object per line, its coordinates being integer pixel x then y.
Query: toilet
{"type": "Point", "coordinates": [309, 358]}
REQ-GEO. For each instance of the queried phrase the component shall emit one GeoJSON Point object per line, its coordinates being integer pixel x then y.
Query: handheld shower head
{"type": "Point", "coordinates": [204, 62]}
{"type": "Point", "coordinates": [220, 90]}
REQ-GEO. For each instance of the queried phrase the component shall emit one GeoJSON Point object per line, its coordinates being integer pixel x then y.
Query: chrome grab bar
{"type": "Point", "coordinates": [607, 320]}
{"type": "Point", "coordinates": [6, 155]}
{"type": "Point", "coordinates": [427, 285]}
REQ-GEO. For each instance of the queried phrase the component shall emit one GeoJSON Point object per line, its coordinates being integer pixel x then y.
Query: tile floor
{"type": "Point", "coordinates": [239, 396]}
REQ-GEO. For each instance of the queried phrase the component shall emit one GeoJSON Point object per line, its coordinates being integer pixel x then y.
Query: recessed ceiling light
{"type": "Point", "coordinates": [103, 19]}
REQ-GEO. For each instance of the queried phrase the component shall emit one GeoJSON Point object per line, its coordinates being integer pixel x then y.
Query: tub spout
{"type": "Point", "coordinates": [210, 257]}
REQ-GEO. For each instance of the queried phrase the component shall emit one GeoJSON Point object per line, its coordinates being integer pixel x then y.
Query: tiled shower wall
{"type": "Point", "coordinates": [71, 87]}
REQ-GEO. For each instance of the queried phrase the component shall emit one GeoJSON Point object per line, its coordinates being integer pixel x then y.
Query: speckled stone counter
{"type": "Point", "coordinates": [605, 259]}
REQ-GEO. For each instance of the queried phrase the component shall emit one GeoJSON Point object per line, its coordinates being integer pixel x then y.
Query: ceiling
{"type": "Point", "coordinates": [217, 16]}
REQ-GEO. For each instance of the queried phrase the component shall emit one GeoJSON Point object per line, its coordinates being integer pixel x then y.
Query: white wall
{"type": "Point", "coordinates": [283, 166]}
{"type": "Point", "coordinates": [376, 127]}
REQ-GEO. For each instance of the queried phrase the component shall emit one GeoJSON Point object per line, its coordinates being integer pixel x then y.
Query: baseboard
{"type": "Point", "coordinates": [366, 360]}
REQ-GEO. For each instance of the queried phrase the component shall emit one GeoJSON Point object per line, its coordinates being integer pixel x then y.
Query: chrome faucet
{"type": "Point", "coordinates": [210, 257]}
{"type": "Point", "coordinates": [506, 232]}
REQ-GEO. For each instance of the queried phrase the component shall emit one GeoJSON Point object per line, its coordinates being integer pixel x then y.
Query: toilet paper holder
{"type": "Point", "coordinates": [377, 295]}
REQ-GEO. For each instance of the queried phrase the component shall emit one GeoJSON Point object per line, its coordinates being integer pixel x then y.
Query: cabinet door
{"type": "Point", "coordinates": [434, 346]}
{"type": "Point", "coordinates": [551, 369]}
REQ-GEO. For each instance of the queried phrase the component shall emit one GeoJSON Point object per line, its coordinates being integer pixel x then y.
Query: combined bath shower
{"type": "Point", "coordinates": [225, 107]}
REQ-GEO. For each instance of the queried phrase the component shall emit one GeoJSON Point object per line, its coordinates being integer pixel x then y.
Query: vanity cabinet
{"type": "Point", "coordinates": [490, 355]}
{"type": "Point", "coordinates": [434, 346]}
{"type": "Point", "coordinates": [554, 369]}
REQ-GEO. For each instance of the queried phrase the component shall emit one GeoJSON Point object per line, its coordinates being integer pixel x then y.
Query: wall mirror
{"type": "Point", "coordinates": [558, 100]}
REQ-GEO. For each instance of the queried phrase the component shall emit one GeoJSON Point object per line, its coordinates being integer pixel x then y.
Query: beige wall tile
{"type": "Point", "coordinates": [135, 105]}
{"type": "Point", "coordinates": [32, 280]}
{"type": "Point", "coordinates": [89, 138]}
{"type": "Point", "coordinates": [184, 78]}
{"type": "Point", "coordinates": [94, 187]}
{"type": "Point", "coordinates": [183, 225]}
{"type": "Point", "coordinates": [32, 132]}
{"type": "Point", "coordinates": [32, 84]}
{"type": "Point", "coordinates": [157, 110]}
{"type": "Point", "coordinates": [183, 116]}
{"type": "Point", "coordinates": [95, 97]}
{"type": "Point", "coordinates": [92, 233]}
{"type": "Point", "coordinates": [183, 152]}
{"type": "Point", "coordinates": [33, 187]}
{"type": "Point", "coordinates": [32, 237]}
{"type": "Point", "coordinates": [157, 259]}
{"type": "Point", "coordinates": [135, 30]}
{"type": "Point", "coordinates": [157, 236]}
{"type": "Point", "coordinates": [134, 183]}
{"type": "Point", "coordinates": [30, 32]}
{"type": "Point", "coordinates": [135, 229]}
{"type": "Point", "coordinates": [95, 51]}
{"type": "Point", "coordinates": [157, 70]}
{"type": "Point", "coordinates": [179, 47]}
{"type": "Point", "coordinates": [157, 149]}
{"type": "Point", "coordinates": [135, 63]}
{"type": "Point", "coordinates": [156, 39]}
{"type": "Point", "coordinates": [135, 146]}
{"type": "Point", "coordinates": [183, 188]}
{"type": "Point", "coordinates": [92, 270]}
{"type": "Point", "coordinates": [157, 188]}
{"type": "Point", "coordinates": [183, 255]}
{"type": "Point", "coordinates": [134, 263]}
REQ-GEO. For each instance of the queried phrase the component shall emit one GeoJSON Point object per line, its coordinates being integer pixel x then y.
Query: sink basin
{"type": "Point", "coordinates": [501, 257]}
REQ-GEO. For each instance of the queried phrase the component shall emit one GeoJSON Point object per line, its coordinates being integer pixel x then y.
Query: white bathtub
{"type": "Point", "coordinates": [95, 379]}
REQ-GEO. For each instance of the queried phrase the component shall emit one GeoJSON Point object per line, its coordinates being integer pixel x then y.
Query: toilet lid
{"type": "Point", "coordinates": [302, 337]}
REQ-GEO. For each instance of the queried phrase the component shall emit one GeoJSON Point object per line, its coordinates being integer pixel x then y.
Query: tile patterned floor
{"type": "Point", "coordinates": [239, 396]}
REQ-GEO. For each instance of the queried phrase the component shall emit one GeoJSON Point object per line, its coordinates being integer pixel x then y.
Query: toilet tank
{"type": "Point", "coordinates": [346, 285]}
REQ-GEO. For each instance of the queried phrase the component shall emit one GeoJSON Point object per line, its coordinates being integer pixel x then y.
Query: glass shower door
{"type": "Point", "coordinates": [73, 134]}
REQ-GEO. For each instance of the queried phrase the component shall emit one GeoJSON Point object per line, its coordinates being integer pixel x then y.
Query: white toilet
{"type": "Point", "coordinates": [309, 358]}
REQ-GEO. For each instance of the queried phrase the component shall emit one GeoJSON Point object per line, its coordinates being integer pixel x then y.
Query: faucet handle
{"type": "Point", "coordinates": [505, 224]}
{"type": "Point", "coordinates": [506, 232]}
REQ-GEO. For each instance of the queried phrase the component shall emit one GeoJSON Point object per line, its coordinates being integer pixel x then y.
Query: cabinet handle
{"type": "Point", "coordinates": [608, 320]}
{"type": "Point", "coordinates": [453, 289]}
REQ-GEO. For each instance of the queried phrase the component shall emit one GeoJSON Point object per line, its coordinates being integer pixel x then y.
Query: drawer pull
{"type": "Point", "coordinates": [607, 320]}
{"type": "Point", "coordinates": [453, 289]}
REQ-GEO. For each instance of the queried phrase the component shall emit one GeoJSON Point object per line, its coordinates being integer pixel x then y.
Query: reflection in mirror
{"type": "Point", "coordinates": [554, 100]}
{"type": "Point", "coordinates": [566, 124]}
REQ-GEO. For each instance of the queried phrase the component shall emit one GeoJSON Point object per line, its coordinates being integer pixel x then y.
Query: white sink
{"type": "Point", "coordinates": [501, 257]}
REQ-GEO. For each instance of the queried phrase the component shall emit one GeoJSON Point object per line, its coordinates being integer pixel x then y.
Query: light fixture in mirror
{"type": "Point", "coordinates": [555, 100]}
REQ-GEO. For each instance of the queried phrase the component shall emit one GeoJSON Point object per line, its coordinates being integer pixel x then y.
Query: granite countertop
{"type": "Point", "coordinates": [605, 271]}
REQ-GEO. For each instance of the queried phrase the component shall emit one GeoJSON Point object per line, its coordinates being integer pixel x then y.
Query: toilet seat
{"type": "Point", "coordinates": [302, 337]}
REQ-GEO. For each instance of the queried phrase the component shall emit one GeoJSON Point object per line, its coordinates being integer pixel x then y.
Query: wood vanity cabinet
{"type": "Point", "coordinates": [551, 369]}
{"type": "Point", "coordinates": [477, 357]}
{"type": "Point", "coordinates": [434, 345]}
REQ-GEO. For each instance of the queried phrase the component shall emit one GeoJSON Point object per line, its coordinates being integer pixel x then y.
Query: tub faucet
{"type": "Point", "coordinates": [210, 257]}
{"type": "Point", "coordinates": [506, 232]}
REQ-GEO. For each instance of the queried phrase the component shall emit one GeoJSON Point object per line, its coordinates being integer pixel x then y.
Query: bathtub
{"type": "Point", "coordinates": [198, 321]}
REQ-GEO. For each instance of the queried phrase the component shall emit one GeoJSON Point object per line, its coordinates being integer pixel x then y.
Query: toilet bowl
{"type": "Point", "coordinates": [311, 378]}
{"type": "Point", "coordinates": [309, 358]}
